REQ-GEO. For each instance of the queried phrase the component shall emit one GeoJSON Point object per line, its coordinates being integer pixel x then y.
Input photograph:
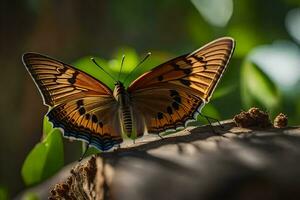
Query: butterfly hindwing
{"type": "Point", "coordinates": [92, 119]}
{"type": "Point", "coordinates": [192, 77]}
{"type": "Point", "coordinates": [172, 108]}
{"type": "Point", "coordinates": [79, 104]}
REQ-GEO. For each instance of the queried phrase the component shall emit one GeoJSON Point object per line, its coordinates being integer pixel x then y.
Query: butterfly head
{"type": "Point", "coordinates": [119, 89]}
{"type": "Point", "coordinates": [119, 83]}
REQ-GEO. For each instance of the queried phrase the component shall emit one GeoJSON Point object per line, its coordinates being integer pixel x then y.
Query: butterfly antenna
{"type": "Point", "coordinates": [143, 60]}
{"type": "Point", "coordinates": [122, 62]}
{"type": "Point", "coordinates": [94, 61]}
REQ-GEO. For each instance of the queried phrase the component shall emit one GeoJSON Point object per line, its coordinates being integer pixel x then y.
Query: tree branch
{"type": "Point", "coordinates": [233, 163]}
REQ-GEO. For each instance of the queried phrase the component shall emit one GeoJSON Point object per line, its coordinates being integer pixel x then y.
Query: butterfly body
{"type": "Point", "coordinates": [161, 100]}
{"type": "Point", "coordinates": [124, 107]}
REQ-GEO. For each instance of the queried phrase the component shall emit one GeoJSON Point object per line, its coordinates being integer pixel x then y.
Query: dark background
{"type": "Point", "coordinates": [69, 30]}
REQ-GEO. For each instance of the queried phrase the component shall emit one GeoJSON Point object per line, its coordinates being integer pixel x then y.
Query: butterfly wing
{"type": "Point", "coordinates": [173, 93]}
{"type": "Point", "coordinates": [79, 104]}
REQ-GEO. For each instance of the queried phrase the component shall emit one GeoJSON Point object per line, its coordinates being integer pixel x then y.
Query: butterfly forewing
{"type": "Point", "coordinates": [81, 105]}
{"type": "Point", "coordinates": [174, 92]}
{"type": "Point", "coordinates": [59, 82]}
{"type": "Point", "coordinates": [199, 70]}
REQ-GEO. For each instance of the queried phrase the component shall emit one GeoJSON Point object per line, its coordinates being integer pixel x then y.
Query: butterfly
{"type": "Point", "coordinates": [161, 100]}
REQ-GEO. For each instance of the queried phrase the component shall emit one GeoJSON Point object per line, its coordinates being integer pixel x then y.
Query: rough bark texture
{"type": "Point", "coordinates": [233, 163]}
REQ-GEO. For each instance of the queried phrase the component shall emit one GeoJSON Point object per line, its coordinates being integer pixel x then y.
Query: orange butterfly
{"type": "Point", "coordinates": [165, 98]}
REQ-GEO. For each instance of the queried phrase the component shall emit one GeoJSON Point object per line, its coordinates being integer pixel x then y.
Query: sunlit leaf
{"type": "Point", "coordinates": [44, 160]}
{"type": "Point", "coordinates": [130, 62]}
{"type": "Point", "coordinates": [85, 64]}
{"type": "Point", "coordinates": [47, 127]}
{"type": "Point", "coordinates": [246, 38]}
{"type": "Point", "coordinates": [131, 59]}
{"type": "Point", "coordinates": [91, 151]}
{"type": "Point", "coordinates": [257, 88]}
{"type": "Point", "coordinates": [282, 63]}
{"type": "Point", "coordinates": [215, 12]}
{"type": "Point", "coordinates": [153, 61]}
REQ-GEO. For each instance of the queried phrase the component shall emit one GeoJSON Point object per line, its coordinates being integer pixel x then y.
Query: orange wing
{"type": "Point", "coordinates": [79, 104]}
{"type": "Point", "coordinates": [174, 92]}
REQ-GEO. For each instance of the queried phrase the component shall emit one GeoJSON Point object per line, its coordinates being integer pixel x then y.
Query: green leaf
{"type": "Point", "coordinates": [90, 151]}
{"type": "Point", "coordinates": [47, 127]}
{"type": "Point", "coordinates": [130, 62]}
{"type": "Point", "coordinates": [257, 89]}
{"type": "Point", "coordinates": [85, 64]}
{"type": "Point", "coordinates": [245, 35]}
{"type": "Point", "coordinates": [44, 160]}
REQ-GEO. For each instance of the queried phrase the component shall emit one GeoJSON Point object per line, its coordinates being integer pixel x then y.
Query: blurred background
{"type": "Point", "coordinates": [264, 70]}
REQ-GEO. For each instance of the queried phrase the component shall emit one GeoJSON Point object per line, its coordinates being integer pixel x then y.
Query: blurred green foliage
{"type": "Point", "coordinates": [257, 89]}
{"type": "Point", "coordinates": [245, 84]}
{"type": "Point", "coordinates": [30, 196]}
{"type": "Point", "coordinates": [3, 193]}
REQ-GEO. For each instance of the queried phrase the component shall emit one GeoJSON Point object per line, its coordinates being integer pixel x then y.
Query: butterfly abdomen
{"type": "Point", "coordinates": [127, 119]}
{"type": "Point", "coordinates": [125, 112]}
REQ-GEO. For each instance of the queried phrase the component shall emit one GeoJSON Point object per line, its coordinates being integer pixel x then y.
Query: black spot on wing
{"type": "Point", "coordinates": [175, 105]}
{"type": "Point", "coordinates": [79, 103]}
{"type": "Point", "coordinates": [187, 71]}
{"type": "Point", "coordinates": [160, 78]}
{"type": "Point", "coordinates": [159, 115]}
{"type": "Point", "coordinates": [169, 110]}
{"type": "Point", "coordinates": [72, 80]}
{"type": "Point", "coordinates": [62, 70]}
{"type": "Point", "coordinates": [177, 99]}
{"type": "Point", "coordinates": [94, 119]}
{"type": "Point", "coordinates": [81, 111]}
{"type": "Point", "coordinates": [176, 67]}
{"type": "Point", "coordinates": [174, 93]}
{"type": "Point", "coordinates": [185, 82]}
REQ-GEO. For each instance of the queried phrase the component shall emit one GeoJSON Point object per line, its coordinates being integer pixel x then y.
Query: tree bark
{"type": "Point", "coordinates": [197, 163]}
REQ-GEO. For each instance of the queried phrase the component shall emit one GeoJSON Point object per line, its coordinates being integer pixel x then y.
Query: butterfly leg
{"type": "Point", "coordinates": [208, 118]}
{"type": "Point", "coordinates": [161, 137]}
{"type": "Point", "coordinates": [211, 126]}
{"type": "Point", "coordinates": [118, 146]}
{"type": "Point", "coordinates": [84, 153]}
